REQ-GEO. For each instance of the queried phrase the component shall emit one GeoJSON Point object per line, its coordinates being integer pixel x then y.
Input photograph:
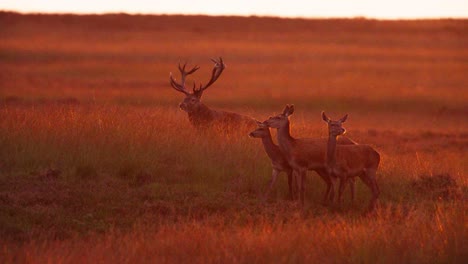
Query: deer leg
{"type": "Point", "coordinates": [369, 179]}
{"type": "Point", "coordinates": [274, 175]}
{"type": "Point", "coordinates": [332, 191]}
{"type": "Point", "coordinates": [343, 182]}
{"type": "Point", "coordinates": [329, 193]}
{"type": "Point", "coordinates": [352, 185]}
{"type": "Point", "coordinates": [295, 187]}
{"type": "Point", "coordinates": [375, 181]}
{"type": "Point", "coordinates": [375, 188]}
{"type": "Point", "coordinates": [290, 184]}
{"type": "Point", "coordinates": [296, 184]}
{"type": "Point", "coordinates": [299, 175]}
{"type": "Point", "coordinates": [302, 176]}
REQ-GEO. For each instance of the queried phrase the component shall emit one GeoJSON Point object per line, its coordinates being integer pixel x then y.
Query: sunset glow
{"type": "Point", "coordinates": [151, 131]}
{"type": "Point", "coordinates": [294, 8]}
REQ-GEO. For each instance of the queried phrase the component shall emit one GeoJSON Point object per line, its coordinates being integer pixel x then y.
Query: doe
{"type": "Point", "coordinates": [349, 161]}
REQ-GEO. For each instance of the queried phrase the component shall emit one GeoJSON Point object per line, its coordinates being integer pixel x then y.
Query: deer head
{"type": "Point", "coordinates": [335, 128]}
{"type": "Point", "coordinates": [192, 100]}
{"type": "Point", "coordinates": [282, 119]}
{"type": "Point", "coordinates": [262, 130]}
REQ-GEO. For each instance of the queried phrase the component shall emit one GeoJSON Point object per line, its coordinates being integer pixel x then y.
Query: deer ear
{"type": "Point", "coordinates": [325, 117]}
{"type": "Point", "coordinates": [291, 109]}
{"type": "Point", "coordinates": [288, 110]}
{"type": "Point", "coordinates": [343, 119]}
{"type": "Point", "coordinates": [258, 122]}
{"type": "Point", "coordinates": [285, 110]}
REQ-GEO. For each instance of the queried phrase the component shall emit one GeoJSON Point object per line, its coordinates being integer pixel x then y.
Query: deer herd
{"type": "Point", "coordinates": [337, 158]}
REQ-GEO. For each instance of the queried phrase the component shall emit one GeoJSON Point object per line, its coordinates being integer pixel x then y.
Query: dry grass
{"type": "Point", "coordinates": [98, 164]}
{"type": "Point", "coordinates": [395, 234]}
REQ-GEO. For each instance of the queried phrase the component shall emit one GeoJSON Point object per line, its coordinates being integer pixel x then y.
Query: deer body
{"type": "Point", "coordinates": [278, 162]}
{"type": "Point", "coordinates": [354, 161]}
{"type": "Point", "coordinates": [349, 161]}
{"type": "Point", "coordinates": [304, 154]}
{"type": "Point", "coordinates": [200, 115]}
{"type": "Point", "coordinates": [203, 116]}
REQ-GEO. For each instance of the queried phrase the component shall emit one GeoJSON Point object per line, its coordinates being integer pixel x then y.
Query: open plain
{"type": "Point", "coordinates": [99, 164]}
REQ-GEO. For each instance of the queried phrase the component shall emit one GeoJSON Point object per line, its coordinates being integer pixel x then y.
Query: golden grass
{"type": "Point", "coordinates": [200, 198]}
{"type": "Point", "coordinates": [98, 164]}
{"type": "Point", "coordinates": [397, 234]}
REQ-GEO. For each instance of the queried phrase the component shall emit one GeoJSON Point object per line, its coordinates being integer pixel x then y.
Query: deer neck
{"type": "Point", "coordinates": [284, 138]}
{"type": "Point", "coordinates": [331, 150]}
{"type": "Point", "coordinates": [270, 148]}
{"type": "Point", "coordinates": [201, 115]}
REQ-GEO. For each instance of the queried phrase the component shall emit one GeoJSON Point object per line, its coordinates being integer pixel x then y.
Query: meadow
{"type": "Point", "coordinates": [98, 163]}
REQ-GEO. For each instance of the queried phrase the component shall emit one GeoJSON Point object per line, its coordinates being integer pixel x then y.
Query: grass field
{"type": "Point", "coordinates": [98, 164]}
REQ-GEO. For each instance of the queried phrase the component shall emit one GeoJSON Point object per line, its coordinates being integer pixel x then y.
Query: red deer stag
{"type": "Point", "coordinates": [349, 161]}
{"type": "Point", "coordinates": [200, 115]}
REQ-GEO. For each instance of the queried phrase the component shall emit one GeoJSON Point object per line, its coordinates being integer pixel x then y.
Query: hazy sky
{"type": "Point", "coordinates": [286, 8]}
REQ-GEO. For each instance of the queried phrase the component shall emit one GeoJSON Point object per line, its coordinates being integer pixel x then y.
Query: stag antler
{"type": "Point", "coordinates": [217, 70]}
{"type": "Point", "coordinates": [181, 86]}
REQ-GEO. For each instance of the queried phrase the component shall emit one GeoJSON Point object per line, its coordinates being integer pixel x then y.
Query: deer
{"type": "Point", "coordinates": [278, 162]}
{"type": "Point", "coordinates": [199, 114]}
{"type": "Point", "coordinates": [304, 154]}
{"type": "Point", "coordinates": [349, 161]}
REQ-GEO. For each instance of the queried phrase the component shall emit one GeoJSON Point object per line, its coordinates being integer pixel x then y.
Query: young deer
{"type": "Point", "coordinates": [304, 153]}
{"type": "Point", "coordinates": [349, 161]}
{"type": "Point", "coordinates": [199, 114]}
{"type": "Point", "coordinates": [278, 161]}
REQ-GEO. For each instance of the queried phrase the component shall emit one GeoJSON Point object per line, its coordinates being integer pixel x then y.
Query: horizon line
{"type": "Point", "coordinates": [103, 13]}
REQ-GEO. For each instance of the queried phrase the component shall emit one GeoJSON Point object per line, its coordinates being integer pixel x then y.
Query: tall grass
{"type": "Point", "coordinates": [396, 234]}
